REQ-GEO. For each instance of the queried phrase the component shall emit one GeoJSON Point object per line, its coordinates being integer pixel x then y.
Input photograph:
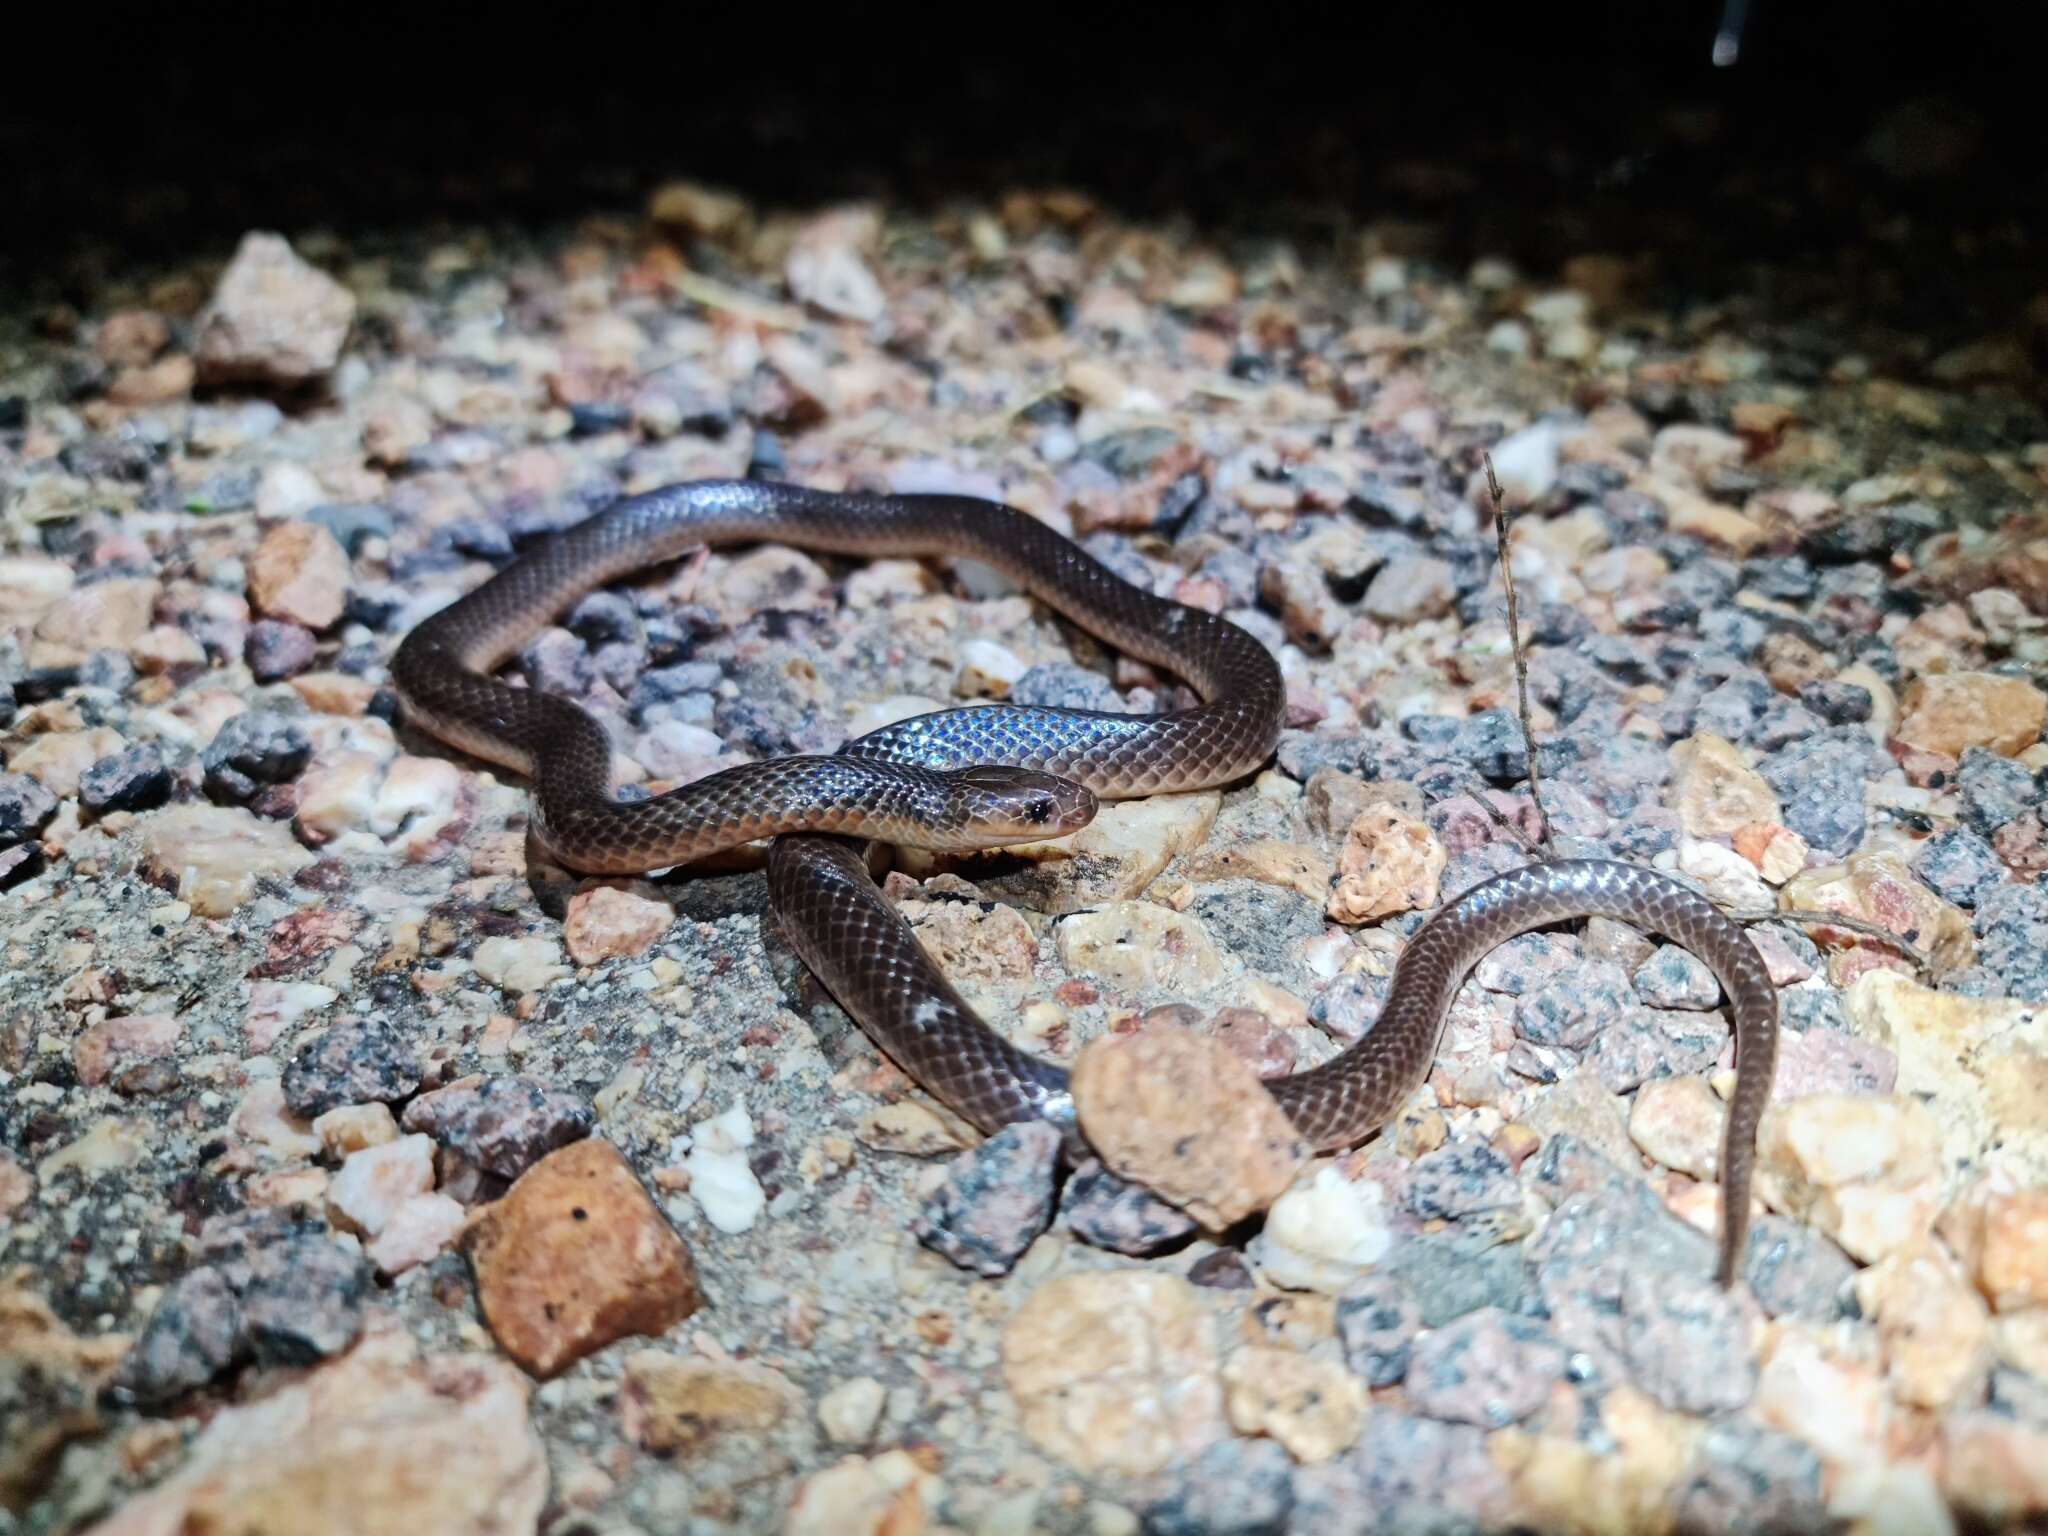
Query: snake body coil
{"type": "Point", "coordinates": [980, 777]}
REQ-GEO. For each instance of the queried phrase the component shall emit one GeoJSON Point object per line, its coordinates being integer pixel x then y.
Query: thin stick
{"type": "Point", "coordinates": [1478, 796]}
{"type": "Point", "coordinates": [1507, 581]}
{"type": "Point", "coordinates": [1923, 962]}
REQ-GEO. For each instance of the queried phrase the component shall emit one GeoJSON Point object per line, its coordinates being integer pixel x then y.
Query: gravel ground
{"type": "Point", "coordinates": [344, 1187]}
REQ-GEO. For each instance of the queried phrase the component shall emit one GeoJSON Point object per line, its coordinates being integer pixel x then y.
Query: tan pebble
{"type": "Point", "coordinates": [1313, 1407]}
{"type": "Point", "coordinates": [1936, 1330]}
{"type": "Point", "coordinates": [288, 1186]}
{"type": "Point", "coordinates": [17, 1187]}
{"type": "Point", "coordinates": [418, 1230]}
{"type": "Point", "coordinates": [605, 922]}
{"type": "Point", "coordinates": [1390, 863]}
{"type": "Point", "coordinates": [165, 648]}
{"type": "Point", "coordinates": [58, 759]}
{"type": "Point", "coordinates": [973, 942]}
{"type": "Point", "coordinates": [113, 613]}
{"type": "Point", "coordinates": [1947, 712]}
{"type": "Point", "coordinates": [1677, 1122]}
{"type": "Point", "coordinates": [1115, 1372]}
{"type": "Point", "coordinates": [1778, 852]}
{"type": "Point", "coordinates": [131, 1037]}
{"type": "Point", "coordinates": [1994, 1467]}
{"type": "Point", "coordinates": [1323, 1233]}
{"type": "Point", "coordinates": [1334, 799]}
{"type": "Point", "coordinates": [273, 317]}
{"type": "Point", "coordinates": [915, 1130]}
{"type": "Point", "coordinates": [375, 1181]}
{"type": "Point", "coordinates": [1292, 866]}
{"type": "Point", "coordinates": [375, 1440]}
{"type": "Point", "coordinates": [887, 1495]}
{"type": "Point", "coordinates": [519, 965]}
{"type": "Point", "coordinates": [2001, 1234]}
{"type": "Point", "coordinates": [336, 794]}
{"type": "Point", "coordinates": [1691, 513]}
{"type": "Point", "coordinates": [676, 1403]}
{"type": "Point", "coordinates": [354, 1127]}
{"type": "Point", "coordinates": [335, 693]}
{"type": "Point", "coordinates": [1815, 1389]}
{"type": "Point", "coordinates": [263, 1119]}
{"type": "Point", "coordinates": [1865, 1171]}
{"type": "Point", "coordinates": [1879, 886]}
{"type": "Point", "coordinates": [850, 1411]}
{"type": "Point", "coordinates": [1714, 790]}
{"type": "Point", "coordinates": [300, 574]}
{"type": "Point", "coordinates": [1184, 1116]}
{"type": "Point", "coordinates": [575, 1256]}
{"type": "Point", "coordinates": [1139, 946]}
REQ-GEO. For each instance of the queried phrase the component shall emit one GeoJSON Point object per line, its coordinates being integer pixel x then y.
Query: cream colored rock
{"type": "Point", "coordinates": [849, 1412]}
{"type": "Point", "coordinates": [263, 1119]}
{"type": "Point", "coordinates": [971, 941]}
{"type": "Point", "coordinates": [101, 1047]}
{"type": "Point", "coordinates": [887, 1495]}
{"type": "Point", "coordinates": [212, 856]}
{"type": "Point", "coordinates": [519, 965]}
{"type": "Point", "coordinates": [337, 794]}
{"type": "Point", "coordinates": [678, 1402]}
{"type": "Point", "coordinates": [1677, 1122]}
{"type": "Point", "coordinates": [1323, 1233]}
{"type": "Point", "coordinates": [1184, 1116]}
{"type": "Point", "coordinates": [1114, 858]}
{"type": "Point", "coordinates": [1115, 1373]}
{"type": "Point", "coordinates": [1313, 1407]}
{"type": "Point", "coordinates": [1624, 1486]}
{"type": "Point", "coordinates": [422, 807]}
{"type": "Point", "coordinates": [1879, 886]}
{"type": "Point", "coordinates": [273, 318]}
{"type": "Point", "coordinates": [1994, 1467]}
{"type": "Point", "coordinates": [1983, 1061]}
{"type": "Point", "coordinates": [30, 585]}
{"type": "Point", "coordinates": [1691, 513]}
{"type": "Point", "coordinates": [604, 923]}
{"type": "Point", "coordinates": [58, 759]}
{"type": "Point", "coordinates": [374, 1182]}
{"type": "Point", "coordinates": [1714, 790]}
{"type": "Point", "coordinates": [987, 670]}
{"type": "Point", "coordinates": [1390, 863]}
{"type": "Point", "coordinates": [1140, 947]}
{"type": "Point", "coordinates": [375, 1440]}
{"type": "Point", "coordinates": [1778, 852]}
{"type": "Point", "coordinates": [419, 1229]}
{"type": "Point", "coordinates": [354, 1128]}
{"type": "Point", "coordinates": [1947, 712]}
{"type": "Point", "coordinates": [1725, 875]}
{"type": "Point", "coordinates": [113, 614]}
{"type": "Point", "coordinates": [1865, 1171]}
{"type": "Point", "coordinates": [1936, 1329]}
{"type": "Point", "coordinates": [827, 265]}
{"type": "Point", "coordinates": [1269, 861]}
{"type": "Point", "coordinates": [2000, 1232]}
{"type": "Point", "coordinates": [298, 573]}
{"type": "Point", "coordinates": [1816, 1391]}
{"type": "Point", "coordinates": [914, 1130]}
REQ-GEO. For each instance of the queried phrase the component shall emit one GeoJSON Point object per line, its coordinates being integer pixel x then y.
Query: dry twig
{"type": "Point", "coordinates": [1922, 961]}
{"type": "Point", "coordinates": [1507, 581]}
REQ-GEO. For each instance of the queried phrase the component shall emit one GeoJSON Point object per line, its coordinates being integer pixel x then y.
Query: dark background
{"type": "Point", "coordinates": [136, 133]}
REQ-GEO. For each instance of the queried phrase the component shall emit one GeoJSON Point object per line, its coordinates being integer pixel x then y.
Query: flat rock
{"type": "Point", "coordinates": [1185, 1117]}
{"type": "Point", "coordinates": [213, 856]}
{"type": "Point", "coordinates": [576, 1256]}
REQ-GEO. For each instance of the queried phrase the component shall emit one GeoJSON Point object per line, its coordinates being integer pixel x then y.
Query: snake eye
{"type": "Point", "coordinates": [1041, 809]}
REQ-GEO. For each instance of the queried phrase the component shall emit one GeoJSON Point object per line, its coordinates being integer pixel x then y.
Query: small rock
{"type": "Point", "coordinates": [1935, 1328]}
{"type": "Point", "coordinates": [276, 650]}
{"type": "Point", "coordinates": [1377, 1322]}
{"type": "Point", "coordinates": [1751, 1481]}
{"type": "Point", "coordinates": [1292, 866]}
{"type": "Point", "coordinates": [1312, 1407]}
{"type": "Point", "coordinates": [1112, 859]}
{"type": "Point", "coordinates": [299, 574]}
{"type": "Point", "coordinates": [575, 1256]}
{"type": "Point", "coordinates": [604, 923]}
{"type": "Point", "coordinates": [354, 1063]}
{"type": "Point", "coordinates": [2001, 1235]}
{"type": "Point", "coordinates": [889, 1495]}
{"type": "Point", "coordinates": [996, 1200]}
{"type": "Point", "coordinates": [353, 1127]}
{"type": "Point", "coordinates": [519, 965]}
{"type": "Point", "coordinates": [1115, 1373]}
{"type": "Point", "coordinates": [1820, 783]}
{"type": "Point", "coordinates": [1234, 1488]}
{"type": "Point", "coordinates": [1994, 790]}
{"type": "Point", "coordinates": [1141, 947]}
{"type": "Point", "coordinates": [1390, 863]}
{"type": "Point", "coordinates": [722, 1179]}
{"type": "Point", "coordinates": [374, 1182]}
{"type": "Point", "coordinates": [1461, 1178]}
{"type": "Point", "coordinates": [213, 856]}
{"type": "Point", "coordinates": [418, 1230]}
{"type": "Point", "coordinates": [1949, 711]}
{"type": "Point", "coordinates": [675, 1403]}
{"type": "Point", "coordinates": [1778, 852]}
{"type": "Point", "coordinates": [1677, 1122]}
{"type": "Point", "coordinates": [273, 319]}
{"type": "Point", "coordinates": [827, 267]}
{"type": "Point", "coordinates": [503, 1125]}
{"type": "Point", "coordinates": [1105, 1211]}
{"type": "Point", "coordinates": [850, 1411]}
{"type": "Point", "coordinates": [1489, 1368]}
{"type": "Point", "coordinates": [116, 1042]}
{"type": "Point", "coordinates": [1411, 588]}
{"type": "Point", "coordinates": [134, 779]}
{"type": "Point", "coordinates": [1958, 866]}
{"type": "Point", "coordinates": [1818, 1387]}
{"type": "Point", "coordinates": [379, 1440]}
{"type": "Point", "coordinates": [1686, 1341]}
{"type": "Point", "coordinates": [1714, 791]}
{"type": "Point", "coordinates": [1323, 1234]}
{"type": "Point", "coordinates": [1877, 886]}
{"type": "Point", "coordinates": [25, 808]}
{"type": "Point", "coordinates": [1828, 1061]}
{"type": "Point", "coordinates": [251, 749]}
{"type": "Point", "coordinates": [1183, 1116]}
{"type": "Point", "coordinates": [1406, 1475]}
{"type": "Point", "coordinates": [1865, 1171]}
{"type": "Point", "coordinates": [1794, 1271]}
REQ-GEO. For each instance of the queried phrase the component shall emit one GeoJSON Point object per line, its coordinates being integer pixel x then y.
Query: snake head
{"type": "Point", "coordinates": [1019, 805]}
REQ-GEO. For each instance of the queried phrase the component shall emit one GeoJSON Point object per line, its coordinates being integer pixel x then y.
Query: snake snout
{"type": "Point", "coordinates": [1024, 805]}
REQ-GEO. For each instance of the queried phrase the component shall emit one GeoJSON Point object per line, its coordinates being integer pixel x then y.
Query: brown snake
{"type": "Point", "coordinates": [986, 776]}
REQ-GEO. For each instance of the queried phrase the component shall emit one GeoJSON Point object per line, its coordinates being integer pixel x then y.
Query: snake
{"type": "Point", "coordinates": [993, 775]}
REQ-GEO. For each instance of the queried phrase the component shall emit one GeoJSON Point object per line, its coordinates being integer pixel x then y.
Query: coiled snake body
{"type": "Point", "coordinates": [990, 775]}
